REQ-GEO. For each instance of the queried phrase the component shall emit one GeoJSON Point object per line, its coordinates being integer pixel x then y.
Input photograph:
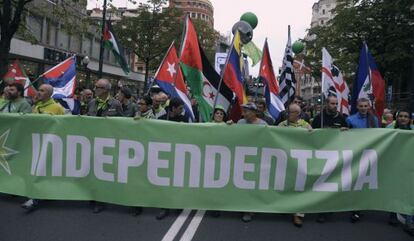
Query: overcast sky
{"type": "Point", "coordinates": [274, 17]}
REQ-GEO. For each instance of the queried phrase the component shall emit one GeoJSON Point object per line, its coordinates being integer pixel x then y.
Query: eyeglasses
{"type": "Point", "coordinates": [99, 87]}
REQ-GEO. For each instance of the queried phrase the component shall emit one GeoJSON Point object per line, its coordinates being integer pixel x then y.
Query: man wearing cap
{"type": "Point", "coordinates": [129, 108]}
{"type": "Point", "coordinates": [249, 112]}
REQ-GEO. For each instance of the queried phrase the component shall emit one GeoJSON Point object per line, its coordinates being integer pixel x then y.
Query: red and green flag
{"type": "Point", "coordinates": [200, 76]}
{"type": "Point", "coordinates": [111, 43]}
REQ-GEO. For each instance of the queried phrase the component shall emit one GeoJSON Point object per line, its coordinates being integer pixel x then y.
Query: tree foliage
{"type": "Point", "coordinates": [14, 14]}
{"type": "Point", "coordinates": [387, 26]}
{"type": "Point", "coordinates": [154, 28]}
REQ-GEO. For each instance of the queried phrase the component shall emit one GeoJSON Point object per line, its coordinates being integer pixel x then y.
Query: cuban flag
{"type": "Point", "coordinates": [369, 83]}
{"type": "Point", "coordinates": [63, 78]}
{"type": "Point", "coordinates": [267, 75]}
{"type": "Point", "coordinates": [170, 79]}
{"type": "Point", "coordinates": [70, 104]}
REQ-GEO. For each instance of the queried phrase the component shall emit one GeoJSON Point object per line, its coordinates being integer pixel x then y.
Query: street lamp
{"type": "Point", "coordinates": [85, 62]}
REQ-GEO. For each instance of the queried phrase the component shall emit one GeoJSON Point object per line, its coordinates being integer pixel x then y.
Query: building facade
{"type": "Point", "coordinates": [308, 85]}
{"type": "Point", "coordinates": [322, 12]}
{"type": "Point", "coordinates": [197, 9]}
{"type": "Point", "coordinates": [55, 44]}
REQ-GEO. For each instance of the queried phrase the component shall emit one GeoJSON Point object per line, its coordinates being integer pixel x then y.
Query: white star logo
{"type": "Point", "coordinates": [171, 69]}
{"type": "Point", "coordinates": [5, 152]}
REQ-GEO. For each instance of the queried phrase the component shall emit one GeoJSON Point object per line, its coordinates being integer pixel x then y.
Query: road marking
{"type": "Point", "coordinates": [192, 227]}
{"type": "Point", "coordinates": [178, 223]}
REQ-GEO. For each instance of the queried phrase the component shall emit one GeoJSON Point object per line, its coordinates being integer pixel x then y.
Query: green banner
{"type": "Point", "coordinates": [206, 166]}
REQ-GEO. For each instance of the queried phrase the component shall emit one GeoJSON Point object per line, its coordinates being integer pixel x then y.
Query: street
{"type": "Point", "coordinates": [64, 221]}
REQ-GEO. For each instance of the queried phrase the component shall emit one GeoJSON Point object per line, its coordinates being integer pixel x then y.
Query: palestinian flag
{"type": "Point", "coordinates": [201, 77]}
{"type": "Point", "coordinates": [17, 74]}
{"type": "Point", "coordinates": [111, 43]}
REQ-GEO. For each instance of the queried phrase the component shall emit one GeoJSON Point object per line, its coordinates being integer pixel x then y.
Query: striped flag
{"type": "Point", "coordinates": [333, 82]}
{"type": "Point", "coordinates": [267, 75]}
{"type": "Point", "coordinates": [287, 77]}
{"type": "Point", "coordinates": [201, 77]}
{"type": "Point", "coordinates": [112, 44]}
{"type": "Point", "coordinates": [170, 79]}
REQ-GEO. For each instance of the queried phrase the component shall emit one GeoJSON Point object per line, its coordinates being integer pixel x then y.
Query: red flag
{"type": "Point", "coordinates": [17, 74]}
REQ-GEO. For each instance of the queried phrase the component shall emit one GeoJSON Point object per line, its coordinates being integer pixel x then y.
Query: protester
{"type": "Point", "coordinates": [330, 118]}
{"type": "Point", "coordinates": [249, 112]}
{"type": "Point", "coordinates": [299, 101]}
{"type": "Point", "coordinates": [129, 108]}
{"type": "Point", "coordinates": [174, 113]}
{"type": "Point", "coordinates": [403, 122]}
{"type": "Point", "coordinates": [86, 97]}
{"type": "Point", "coordinates": [14, 101]}
{"type": "Point", "coordinates": [104, 104]}
{"type": "Point", "coordinates": [44, 105]}
{"type": "Point", "coordinates": [262, 112]}
{"type": "Point", "coordinates": [145, 108]}
{"type": "Point", "coordinates": [163, 99]}
{"type": "Point", "coordinates": [294, 121]}
{"type": "Point", "coordinates": [219, 115]}
{"type": "Point", "coordinates": [156, 105]}
{"type": "Point", "coordinates": [362, 119]}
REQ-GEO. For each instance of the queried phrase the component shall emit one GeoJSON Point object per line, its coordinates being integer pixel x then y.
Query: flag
{"type": "Point", "coordinates": [201, 77]}
{"type": "Point", "coordinates": [17, 74]}
{"type": "Point", "coordinates": [254, 53]}
{"type": "Point", "coordinates": [232, 74]}
{"type": "Point", "coordinates": [333, 82]}
{"type": "Point", "coordinates": [267, 75]}
{"type": "Point", "coordinates": [63, 78]}
{"type": "Point", "coordinates": [369, 83]}
{"type": "Point", "coordinates": [112, 44]}
{"type": "Point", "coordinates": [170, 79]}
{"type": "Point", "coordinates": [287, 77]}
{"type": "Point", "coordinates": [74, 106]}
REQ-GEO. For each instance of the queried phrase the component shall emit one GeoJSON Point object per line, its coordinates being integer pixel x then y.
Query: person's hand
{"type": "Point", "coordinates": [137, 117]}
{"type": "Point", "coordinates": [229, 122]}
{"type": "Point", "coordinates": [344, 129]}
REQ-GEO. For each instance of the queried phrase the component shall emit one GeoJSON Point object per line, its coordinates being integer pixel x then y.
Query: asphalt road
{"type": "Point", "coordinates": [67, 221]}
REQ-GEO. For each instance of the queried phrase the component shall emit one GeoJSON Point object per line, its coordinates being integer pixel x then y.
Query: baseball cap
{"type": "Point", "coordinates": [249, 106]}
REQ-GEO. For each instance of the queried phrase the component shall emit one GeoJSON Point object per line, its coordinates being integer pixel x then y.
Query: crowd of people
{"type": "Point", "coordinates": [99, 102]}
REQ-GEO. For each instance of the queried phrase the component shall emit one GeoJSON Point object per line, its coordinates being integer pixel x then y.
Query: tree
{"type": "Point", "coordinates": [13, 14]}
{"type": "Point", "coordinates": [154, 28]}
{"type": "Point", "coordinates": [386, 26]}
{"type": "Point", "coordinates": [149, 33]}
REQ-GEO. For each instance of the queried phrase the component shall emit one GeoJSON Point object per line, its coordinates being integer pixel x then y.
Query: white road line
{"type": "Point", "coordinates": [192, 227]}
{"type": "Point", "coordinates": [178, 223]}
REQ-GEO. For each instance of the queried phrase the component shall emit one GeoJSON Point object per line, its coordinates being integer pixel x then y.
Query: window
{"type": "Point", "coordinates": [75, 44]}
{"type": "Point", "coordinates": [321, 22]}
{"type": "Point", "coordinates": [95, 49]}
{"type": "Point", "coordinates": [35, 26]}
{"type": "Point", "coordinates": [86, 46]}
{"type": "Point", "coordinates": [63, 39]}
{"type": "Point", "coordinates": [323, 11]}
{"type": "Point", "coordinates": [51, 33]}
{"type": "Point", "coordinates": [193, 15]}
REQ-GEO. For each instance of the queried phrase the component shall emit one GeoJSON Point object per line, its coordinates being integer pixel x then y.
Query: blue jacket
{"type": "Point", "coordinates": [359, 121]}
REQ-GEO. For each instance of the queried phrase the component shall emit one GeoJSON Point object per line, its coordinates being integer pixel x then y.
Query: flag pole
{"type": "Point", "coordinates": [222, 74]}
{"type": "Point", "coordinates": [289, 86]}
{"type": "Point", "coordinates": [322, 94]}
{"type": "Point", "coordinates": [101, 50]}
